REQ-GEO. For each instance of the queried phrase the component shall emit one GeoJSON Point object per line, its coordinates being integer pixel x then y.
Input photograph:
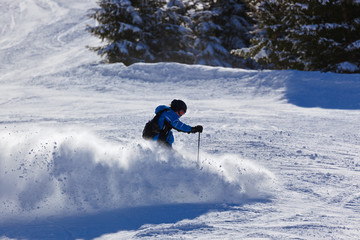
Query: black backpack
{"type": "Point", "coordinates": [152, 128]}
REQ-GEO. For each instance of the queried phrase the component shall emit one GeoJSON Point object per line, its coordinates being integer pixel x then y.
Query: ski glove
{"type": "Point", "coordinates": [197, 128]}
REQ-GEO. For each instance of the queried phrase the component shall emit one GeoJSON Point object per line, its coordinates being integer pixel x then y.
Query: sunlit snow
{"type": "Point", "coordinates": [279, 155]}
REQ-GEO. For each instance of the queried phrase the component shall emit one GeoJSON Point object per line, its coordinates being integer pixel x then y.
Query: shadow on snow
{"type": "Point", "coordinates": [324, 90]}
{"type": "Point", "coordinates": [96, 225]}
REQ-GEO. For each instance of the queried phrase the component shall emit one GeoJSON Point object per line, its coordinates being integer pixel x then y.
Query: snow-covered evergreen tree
{"type": "Point", "coordinates": [141, 31]}
{"type": "Point", "coordinates": [219, 26]}
{"type": "Point", "coordinates": [306, 35]}
{"type": "Point", "coordinates": [330, 37]}
{"type": "Point", "coordinates": [270, 44]}
{"type": "Point", "coordinates": [170, 30]}
{"type": "Point", "coordinates": [173, 38]}
{"type": "Point", "coordinates": [207, 47]}
{"type": "Point", "coordinates": [121, 27]}
{"type": "Point", "coordinates": [235, 24]}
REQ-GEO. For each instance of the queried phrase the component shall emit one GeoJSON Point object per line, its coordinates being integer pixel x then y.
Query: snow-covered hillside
{"type": "Point", "coordinates": [280, 151]}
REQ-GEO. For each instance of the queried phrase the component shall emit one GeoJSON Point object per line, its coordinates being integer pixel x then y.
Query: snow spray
{"type": "Point", "coordinates": [48, 172]}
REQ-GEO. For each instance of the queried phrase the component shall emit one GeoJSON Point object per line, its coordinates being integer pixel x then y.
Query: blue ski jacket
{"type": "Point", "coordinates": [168, 120]}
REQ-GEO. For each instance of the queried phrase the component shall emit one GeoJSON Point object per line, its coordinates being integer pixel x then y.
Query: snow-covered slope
{"type": "Point", "coordinates": [279, 156]}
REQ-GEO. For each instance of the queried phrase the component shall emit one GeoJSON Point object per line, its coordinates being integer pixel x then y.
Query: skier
{"type": "Point", "coordinates": [167, 118]}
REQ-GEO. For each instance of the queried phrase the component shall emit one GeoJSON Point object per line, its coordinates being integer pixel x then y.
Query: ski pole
{"type": "Point", "coordinates": [198, 153]}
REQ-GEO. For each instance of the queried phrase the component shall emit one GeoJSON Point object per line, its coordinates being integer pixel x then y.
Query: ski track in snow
{"type": "Point", "coordinates": [279, 153]}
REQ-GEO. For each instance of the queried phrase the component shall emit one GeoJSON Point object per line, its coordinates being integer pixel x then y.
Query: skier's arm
{"type": "Point", "coordinates": [180, 126]}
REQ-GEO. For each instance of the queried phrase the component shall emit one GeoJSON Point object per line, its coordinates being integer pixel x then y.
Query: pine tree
{"type": "Point", "coordinates": [173, 38]}
{"type": "Point", "coordinates": [208, 47]}
{"type": "Point", "coordinates": [330, 37]}
{"type": "Point", "coordinates": [235, 27]}
{"type": "Point", "coordinates": [270, 44]}
{"type": "Point", "coordinates": [120, 26]}
{"type": "Point", "coordinates": [201, 32]}
{"type": "Point", "coordinates": [306, 35]}
{"type": "Point", "coordinates": [150, 11]}
{"type": "Point", "coordinates": [143, 31]}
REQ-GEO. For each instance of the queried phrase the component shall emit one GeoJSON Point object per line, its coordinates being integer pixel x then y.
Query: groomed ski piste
{"type": "Point", "coordinates": [279, 155]}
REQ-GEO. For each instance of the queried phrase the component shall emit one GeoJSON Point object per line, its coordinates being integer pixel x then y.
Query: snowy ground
{"type": "Point", "coordinates": [280, 155]}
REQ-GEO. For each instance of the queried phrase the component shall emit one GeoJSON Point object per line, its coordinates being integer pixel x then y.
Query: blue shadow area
{"type": "Point", "coordinates": [92, 226]}
{"type": "Point", "coordinates": [323, 90]}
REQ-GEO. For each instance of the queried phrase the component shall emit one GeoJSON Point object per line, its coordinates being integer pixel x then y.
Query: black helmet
{"type": "Point", "coordinates": [178, 105]}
